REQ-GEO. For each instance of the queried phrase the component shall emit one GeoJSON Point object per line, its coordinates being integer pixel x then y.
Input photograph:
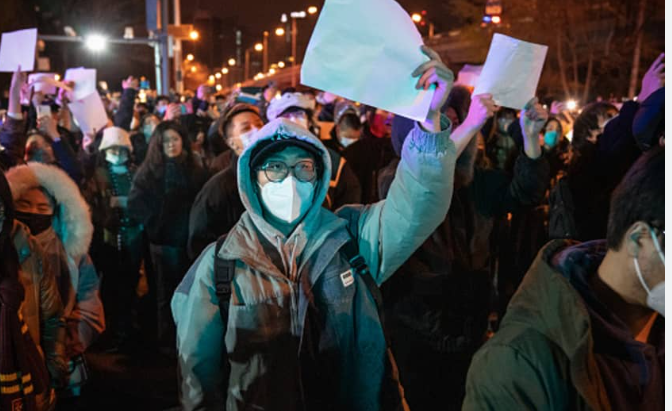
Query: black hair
{"type": "Point", "coordinates": [639, 197]}
{"type": "Point", "coordinates": [459, 100]}
{"type": "Point", "coordinates": [162, 97]}
{"type": "Point", "coordinates": [587, 122]}
{"type": "Point", "coordinates": [350, 121]}
{"type": "Point", "coordinates": [561, 132]}
{"type": "Point", "coordinates": [155, 157]}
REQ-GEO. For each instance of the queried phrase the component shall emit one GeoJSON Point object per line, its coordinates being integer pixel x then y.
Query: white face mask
{"type": "Point", "coordinates": [655, 298]}
{"type": "Point", "coordinates": [346, 141]}
{"type": "Point", "coordinates": [115, 159]}
{"type": "Point", "coordinates": [248, 138]}
{"type": "Point", "coordinates": [289, 199]}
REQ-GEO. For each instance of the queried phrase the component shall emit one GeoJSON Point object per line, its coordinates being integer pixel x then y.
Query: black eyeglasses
{"type": "Point", "coordinates": [277, 171]}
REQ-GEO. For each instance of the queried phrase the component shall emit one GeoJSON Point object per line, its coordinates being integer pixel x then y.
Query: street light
{"type": "Point", "coordinates": [193, 69]}
{"type": "Point", "coordinates": [218, 87]}
{"type": "Point", "coordinates": [496, 19]}
{"type": "Point", "coordinates": [419, 18]}
{"type": "Point", "coordinates": [295, 33]}
{"type": "Point", "coordinates": [225, 70]}
{"type": "Point", "coordinates": [190, 57]}
{"type": "Point", "coordinates": [281, 64]}
{"type": "Point", "coordinates": [279, 32]}
{"type": "Point", "coordinates": [258, 47]}
{"type": "Point", "coordinates": [218, 75]}
{"type": "Point", "coordinates": [193, 35]}
{"type": "Point", "coordinates": [96, 42]}
{"type": "Point", "coordinates": [232, 62]}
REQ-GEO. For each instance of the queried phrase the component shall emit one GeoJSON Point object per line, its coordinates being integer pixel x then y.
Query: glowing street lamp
{"type": "Point", "coordinates": [225, 70]}
{"type": "Point", "coordinates": [193, 69]}
{"type": "Point", "coordinates": [416, 17]}
{"type": "Point", "coordinates": [312, 10]}
{"type": "Point", "coordinates": [218, 75]}
{"type": "Point", "coordinates": [259, 47]}
{"type": "Point", "coordinates": [281, 64]}
{"type": "Point", "coordinates": [194, 35]}
{"type": "Point", "coordinates": [271, 71]}
{"type": "Point", "coordinates": [96, 43]}
{"type": "Point", "coordinates": [232, 62]}
{"type": "Point", "coordinates": [496, 19]}
{"type": "Point", "coordinates": [218, 87]}
{"type": "Point", "coordinates": [190, 57]}
{"type": "Point", "coordinates": [279, 32]}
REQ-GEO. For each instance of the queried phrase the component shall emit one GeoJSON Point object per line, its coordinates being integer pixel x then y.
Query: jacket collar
{"type": "Point", "coordinates": [547, 302]}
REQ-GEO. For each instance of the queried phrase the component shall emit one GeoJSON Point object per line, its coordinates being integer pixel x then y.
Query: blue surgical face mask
{"type": "Point", "coordinates": [551, 138]}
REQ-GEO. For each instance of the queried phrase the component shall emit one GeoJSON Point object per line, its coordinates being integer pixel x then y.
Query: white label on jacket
{"type": "Point", "coordinates": [347, 279]}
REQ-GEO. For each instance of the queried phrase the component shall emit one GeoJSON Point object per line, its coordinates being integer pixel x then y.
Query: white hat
{"type": "Point", "coordinates": [115, 137]}
{"type": "Point", "coordinates": [279, 105]}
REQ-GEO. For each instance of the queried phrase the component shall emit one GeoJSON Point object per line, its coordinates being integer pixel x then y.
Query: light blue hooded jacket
{"type": "Point", "coordinates": [299, 334]}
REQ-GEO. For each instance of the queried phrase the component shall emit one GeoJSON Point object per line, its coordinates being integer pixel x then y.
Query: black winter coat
{"type": "Point", "coordinates": [161, 199]}
{"type": "Point", "coordinates": [438, 303]}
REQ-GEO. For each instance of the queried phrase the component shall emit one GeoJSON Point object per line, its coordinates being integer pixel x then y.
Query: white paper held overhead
{"type": "Point", "coordinates": [468, 76]}
{"type": "Point", "coordinates": [17, 48]}
{"type": "Point", "coordinates": [366, 51]}
{"type": "Point", "coordinates": [85, 82]}
{"type": "Point", "coordinates": [44, 82]}
{"type": "Point", "coordinates": [89, 113]}
{"type": "Point", "coordinates": [511, 71]}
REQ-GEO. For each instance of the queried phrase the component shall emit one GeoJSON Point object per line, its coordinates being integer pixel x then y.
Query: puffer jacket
{"type": "Point", "coordinates": [65, 247]}
{"type": "Point", "coordinates": [560, 348]}
{"type": "Point", "coordinates": [42, 308]}
{"type": "Point", "coordinates": [299, 336]}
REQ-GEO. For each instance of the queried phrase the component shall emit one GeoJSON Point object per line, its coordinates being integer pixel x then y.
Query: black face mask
{"type": "Point", "coordinates": [37, 223]}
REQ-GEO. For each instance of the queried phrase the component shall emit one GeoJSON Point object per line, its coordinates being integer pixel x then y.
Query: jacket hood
{"type": "Point", "coordinates": [316, 224]}
{"type": "Point", "coordinates": [72, 220]}
{"type": "Point", "coordinates": [548, 302]}
{"type": "Point", "coordinates": [280, 129]}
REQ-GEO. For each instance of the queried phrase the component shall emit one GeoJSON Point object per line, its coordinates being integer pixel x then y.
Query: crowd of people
{"type": "Point", "coordinates": [297, 250]}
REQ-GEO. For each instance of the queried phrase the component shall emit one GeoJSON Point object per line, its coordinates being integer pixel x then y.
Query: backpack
{"type": "Point", "coordinates": [561, 222]}
{"type": "Point", "coordinates": [392, 391]}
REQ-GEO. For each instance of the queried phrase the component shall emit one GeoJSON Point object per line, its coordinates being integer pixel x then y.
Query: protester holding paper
{"type": "Point", "coordinates": [439, 301]}
{"type": "Point", "coordinates": [286, 338]}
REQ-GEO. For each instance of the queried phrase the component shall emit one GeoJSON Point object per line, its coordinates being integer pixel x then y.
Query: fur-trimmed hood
{"type": "Point", "coordinates": [72, 219]}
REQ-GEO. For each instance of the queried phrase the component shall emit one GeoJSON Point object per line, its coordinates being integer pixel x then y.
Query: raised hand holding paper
{"type": "Point", "coordinates": [89, 113]}
{"type": "Point", "coordinates": [17, 48]}
{"type": "Point", "coordinates": [44, 82]}
{"type": "Point", "coordinates": [511, 71]}
{"type": "Point", "coordinates": [85, 82]}
{"type": "Point", "coordinates": [366, 51]}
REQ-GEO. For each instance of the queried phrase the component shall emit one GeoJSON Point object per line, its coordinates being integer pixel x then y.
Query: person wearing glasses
{"type": "Point", "coordinates": [586, 328]}
{"type": "Point", "coordinates": [282, 312]}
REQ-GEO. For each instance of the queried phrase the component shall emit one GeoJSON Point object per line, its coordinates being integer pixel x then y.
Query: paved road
{"type": "Point", "coordinates": [145, 381]}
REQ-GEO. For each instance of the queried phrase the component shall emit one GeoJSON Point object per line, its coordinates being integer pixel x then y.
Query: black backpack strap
{"type": "Point", "coordinates": [392, 395]}
{"type": "Point", "coordinates": [351, 253]}
{"type": "Point", "coordinates": [224, 270]}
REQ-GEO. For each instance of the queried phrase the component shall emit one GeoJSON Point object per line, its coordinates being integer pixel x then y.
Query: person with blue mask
{"type": "Point", "coordinates": [586, 328]}
{"type": "Point", "coordinates": [556, 147]}
{"type": "Point", "coordinates": [282, 312]}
